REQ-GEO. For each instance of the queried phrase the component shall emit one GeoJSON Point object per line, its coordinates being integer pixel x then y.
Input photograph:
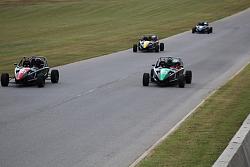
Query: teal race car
{"type": "Point", "coordinates": [168, 71]}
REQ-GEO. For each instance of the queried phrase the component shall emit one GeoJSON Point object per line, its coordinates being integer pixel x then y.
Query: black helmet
{"type": "Point", "coordinates": [26, 63]}
{"type": "Point", "coordinates": [162, 64]}
{"type": "Point", "coordinates": [38, 62]}
{"type": "Point", "coordinates": [169, 62]}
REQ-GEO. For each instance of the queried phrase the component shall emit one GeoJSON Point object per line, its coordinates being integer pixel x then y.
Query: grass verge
{"type": "Point", "coordinates": [67, 31]}
{"type": "Point", "coordinates": [205, 134]}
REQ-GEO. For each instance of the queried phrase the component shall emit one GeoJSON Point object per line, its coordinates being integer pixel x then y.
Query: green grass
{"type": "Point", "coordinates": [69, 31]}
{"type": "Point", "coordinates": [204, 135]}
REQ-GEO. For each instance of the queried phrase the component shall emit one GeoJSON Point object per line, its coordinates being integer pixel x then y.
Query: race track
{"type": "Point", "coordinates": [100, 115]}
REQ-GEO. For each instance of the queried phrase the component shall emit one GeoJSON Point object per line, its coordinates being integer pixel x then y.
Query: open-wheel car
{"type": "Point", "coordinates": [168, 71]}
{"type": "Point", "coordinates": [32, 70]}
{"type": "Point", "coordinates": [148, 43]}
{"type": "Point", "coordinates": [202, 28]}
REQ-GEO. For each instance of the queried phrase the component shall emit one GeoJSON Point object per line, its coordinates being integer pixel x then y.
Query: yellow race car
{"type": "Point", "coordinates": [148, 43]}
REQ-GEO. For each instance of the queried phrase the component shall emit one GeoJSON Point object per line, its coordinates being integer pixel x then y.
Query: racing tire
{"type": "Point", "coordinates": [145, 79]}
{"type": "Point", "coordinates": [134, 48]}
{"type": "Point", "coordinates": [188, 77]}
{"type": "Point", "coordinates": [54, 76]}
{"type": "Point", "coordinates": [193, 30]}
{"type": "Point", "coordinates": [211, 29]}
{"type": "Point", "coordinates": [151, 75]}
{"type": "Point", "coordinates": [40, 82]}
{"type": "Point", "coordinates": [157, 48]}
{"type": "Point", "coordinates": [181, 81]}
{"type": "Point", "coordinates": [5, 79]}
{"type": "Point", "coordinates": [161, 46]}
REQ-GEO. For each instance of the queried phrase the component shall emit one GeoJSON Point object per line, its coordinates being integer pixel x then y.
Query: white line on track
{"type": "Point", "coordinates": [148, 151]}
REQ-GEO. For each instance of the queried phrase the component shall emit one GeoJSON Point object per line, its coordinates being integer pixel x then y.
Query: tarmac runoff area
{"type": "Point", "coordinates": [100, 114]}
{"type": "Point", "coordinates": [237, 152]}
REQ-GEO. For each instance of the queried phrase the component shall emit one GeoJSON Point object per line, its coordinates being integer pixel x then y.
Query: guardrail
{"type": "Point", "coordinates": [237, 153]}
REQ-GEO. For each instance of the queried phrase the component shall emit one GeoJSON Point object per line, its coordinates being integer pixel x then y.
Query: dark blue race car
{"type": "Point", "coordinates": [203, 28]}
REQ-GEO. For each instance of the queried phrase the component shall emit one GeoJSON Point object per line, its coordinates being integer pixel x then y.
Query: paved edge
{"type": "Point", "coordinates": [147, 152]}
{"type": "Point", "coordinates": [151, 148]}
{"type": "Point", "coordinates": [237, 153]}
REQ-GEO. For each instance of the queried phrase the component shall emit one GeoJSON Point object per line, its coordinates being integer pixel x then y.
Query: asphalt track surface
{"type": "Point", "coordinates": [101, 115]}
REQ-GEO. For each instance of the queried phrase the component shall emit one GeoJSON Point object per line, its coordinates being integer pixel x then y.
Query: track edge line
{"type": "Point", "coordinates": [151, 148]}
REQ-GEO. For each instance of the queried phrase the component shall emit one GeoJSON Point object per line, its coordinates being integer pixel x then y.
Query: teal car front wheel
{"type": "Point", "coordinates": [145, 79]}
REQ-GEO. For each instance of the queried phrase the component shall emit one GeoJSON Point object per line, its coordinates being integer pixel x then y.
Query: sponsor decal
{"type": "Point", "coordinates": [145, 44]}
{"type": "Point", "coordinates": [164, 73]}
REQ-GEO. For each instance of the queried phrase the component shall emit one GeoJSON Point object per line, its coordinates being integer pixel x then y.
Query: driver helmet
{"type": "Point", "coordinates": [169, 62]}
{"type": "Point", "coordinates": [154, 38]}
{"type": "Point", "coordinates": [26, 63]}
{"type": "Point", "coordinates": [38, 62]}
{"type": "Point", "coordinates": [162, 64]}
